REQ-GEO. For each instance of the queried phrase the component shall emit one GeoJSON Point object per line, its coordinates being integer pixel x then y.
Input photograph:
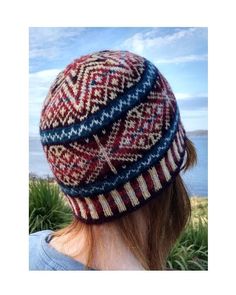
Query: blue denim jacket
{"type": "Point", "coordinates": [42, 256]}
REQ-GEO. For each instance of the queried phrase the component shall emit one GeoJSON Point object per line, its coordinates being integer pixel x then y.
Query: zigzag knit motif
{"type": "Point", "coordinates": [105, 116]}
{"type": "Point", "coordinates": [112, 134]}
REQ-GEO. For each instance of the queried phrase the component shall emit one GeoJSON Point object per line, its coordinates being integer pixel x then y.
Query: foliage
{"type": "Point", "coordinates": [47, 208]}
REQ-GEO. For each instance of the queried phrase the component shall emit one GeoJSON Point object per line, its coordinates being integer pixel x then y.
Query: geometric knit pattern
{"type": "Point", "coordinates": [112, 134]}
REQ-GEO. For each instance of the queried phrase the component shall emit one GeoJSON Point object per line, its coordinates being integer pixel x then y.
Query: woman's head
{"type": "Point", "coordinates": [112, 134]}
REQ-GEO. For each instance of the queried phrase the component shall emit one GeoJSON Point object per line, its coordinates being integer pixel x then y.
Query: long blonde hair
{"type": "Point", "coordinates": [166, 216]}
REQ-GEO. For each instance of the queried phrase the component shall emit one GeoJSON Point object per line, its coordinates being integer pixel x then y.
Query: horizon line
{"type": "Point", "coordinates": [195, 130]}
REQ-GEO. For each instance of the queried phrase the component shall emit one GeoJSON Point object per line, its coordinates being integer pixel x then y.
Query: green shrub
{"type": "Point", "coordinates": [47, 208]}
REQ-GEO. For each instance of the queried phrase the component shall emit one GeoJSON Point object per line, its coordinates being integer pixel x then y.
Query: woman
{"type": "Point", "coordinates": [112, 134]}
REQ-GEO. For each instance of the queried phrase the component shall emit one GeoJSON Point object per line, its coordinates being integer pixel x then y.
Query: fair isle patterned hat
{"type": "Point", "coordinates": [111, 131]}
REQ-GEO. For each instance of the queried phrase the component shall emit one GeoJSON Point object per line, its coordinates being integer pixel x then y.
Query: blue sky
{"type": "Point", "coordinates": [179, 53]}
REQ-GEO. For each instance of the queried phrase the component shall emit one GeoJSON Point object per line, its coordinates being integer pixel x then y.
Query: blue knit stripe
{"type": "Point", "coordinates": [148, 160]}
{"type": "Point", "coordinates": [105, 116]}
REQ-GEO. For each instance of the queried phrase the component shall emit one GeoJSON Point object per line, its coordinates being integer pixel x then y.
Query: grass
{"type": "Point", "coordinates": [48, 210]}
{"type": "Point", "coordinates": [191, 250]}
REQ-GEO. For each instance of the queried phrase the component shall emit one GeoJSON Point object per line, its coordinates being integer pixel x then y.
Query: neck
{"type": "Point", "coordinates": [109, 250]}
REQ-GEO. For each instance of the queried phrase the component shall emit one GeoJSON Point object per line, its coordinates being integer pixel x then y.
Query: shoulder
{"type": "Point", "coordinates": [42, 256]}
{"type": "Point", "coordinates": [39, 234]}
{"type": "Point", "coordinates": [37, 257]}
{"type": "Point", "coordinates": [35, 239]}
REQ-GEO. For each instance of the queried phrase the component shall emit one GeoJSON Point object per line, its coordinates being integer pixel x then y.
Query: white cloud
{"type": "Point", "coordinates": [184, 96]}
{"type": "Point", "coordinates": [181, 95]}
{"type": "Point", "coordinates": [182, 59]}
{"type": "Point", "coordinates": [43, 76]}
{"type": "Point", "coordinates": [140, 41]}
{"type": "Point", "coordinates": [39, 83]}
{"type": "Point", "coordinates": [47, 42]}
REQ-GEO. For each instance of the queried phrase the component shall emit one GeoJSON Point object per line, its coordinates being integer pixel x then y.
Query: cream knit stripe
{"type": "Point", "coordinates": [92, 209]}
{"type": "Point", "coordinates": [171, 160]}
{"type": "Point", "coordinates": [165, 169]}
{"type": "Point", "coordinates": [181, 133]}
{"type": "Point", "coordinates": [155, 179]}
{"type": "Point", "coordinates": [118, 200]}
{"type": "Point", "coordinates": [71, 201]}
{"type": "Point", "coordinates": [81, 207]}
{"type": "Point", "coordinates": [179, 143]}
{"type": "Point", "coordinates": [131, 194]}
{"type": "Point", "coordinates": [105, 206]}
{"type": "Point", "coordinates": [184, 159]}
{"type": "Point", "coordinates": [143, 187]}
{"type": "Point", "coordinates": [176, 150]}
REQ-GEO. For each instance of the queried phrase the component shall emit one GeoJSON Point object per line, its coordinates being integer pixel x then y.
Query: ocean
{"type": "Point", "coordinates": [195, 179]}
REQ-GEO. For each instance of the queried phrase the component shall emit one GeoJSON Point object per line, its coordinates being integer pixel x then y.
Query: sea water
{"type": "Point", "coordinates": [196, 179]}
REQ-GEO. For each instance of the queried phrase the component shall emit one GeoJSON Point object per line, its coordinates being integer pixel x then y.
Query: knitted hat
{"type": "Point", "coordinates": [112, 134]}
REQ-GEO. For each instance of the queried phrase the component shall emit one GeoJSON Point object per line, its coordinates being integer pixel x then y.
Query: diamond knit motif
{"type": "Point", "coordinates": [88, 84]}
{"type": "Point", "coordinates": [112, 134]}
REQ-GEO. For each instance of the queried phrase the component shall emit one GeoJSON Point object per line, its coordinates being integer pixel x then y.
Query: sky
{"type": "Point", "coordinates": [180, 53]}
